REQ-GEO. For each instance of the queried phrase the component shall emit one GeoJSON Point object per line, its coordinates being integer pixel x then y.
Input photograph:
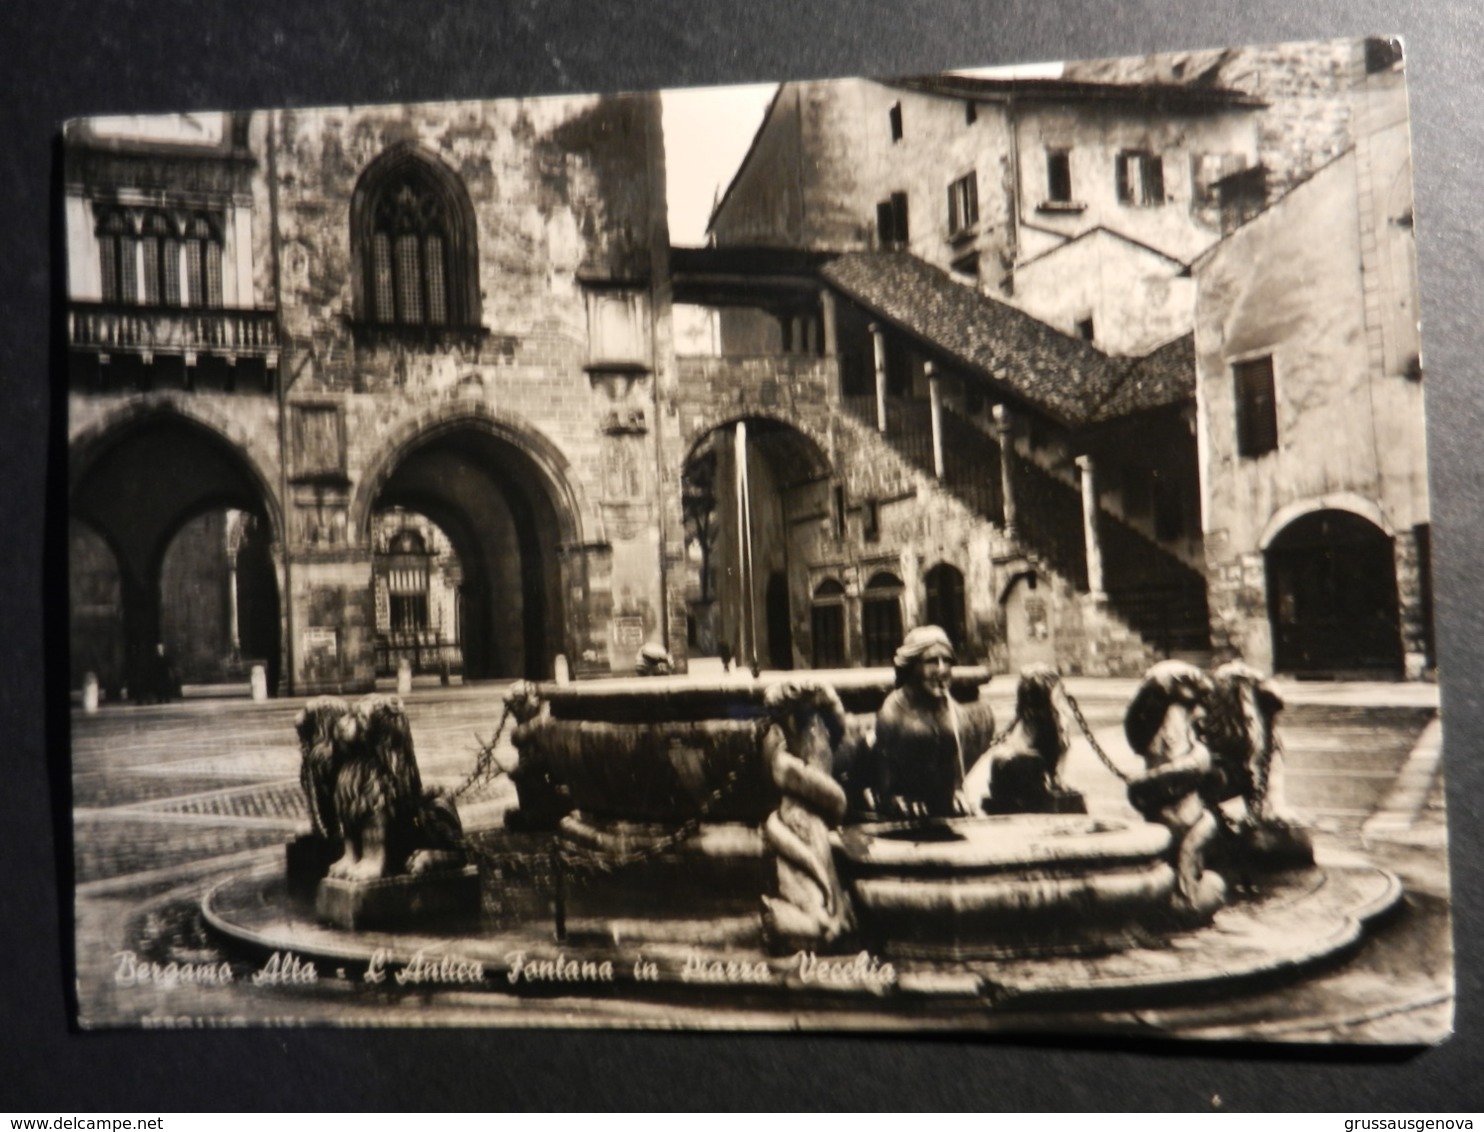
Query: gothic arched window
{"type": "Point", "coordinates": [117, 257]}
{"type": "Point", "coordinates": [160, 256]}
{"type": "Point", "coordinates": [203, 262]}
{"type": "Point", "coordinates": [414, 239]}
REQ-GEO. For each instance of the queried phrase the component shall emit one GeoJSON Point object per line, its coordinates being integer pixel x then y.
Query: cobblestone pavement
{"type": "Point", "coordinates": [162, 786]}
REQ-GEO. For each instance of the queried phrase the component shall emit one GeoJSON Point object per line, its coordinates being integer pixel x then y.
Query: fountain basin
{"type": "Point", "coordinates": [1015, 884]}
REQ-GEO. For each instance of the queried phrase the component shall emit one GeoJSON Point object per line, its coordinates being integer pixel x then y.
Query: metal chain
{"type": "Point", "coordinates": [1092, 739]}
{"type": "Point", "coordinates": [600, 861]}
{"type": "Point", "coordinates": [486, 768]}
{"type": "Point", "coordinates": [1000, 736]}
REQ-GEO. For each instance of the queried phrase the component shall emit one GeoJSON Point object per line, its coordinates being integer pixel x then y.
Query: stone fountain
{"type": "Point", "coordinates": [729, 839]}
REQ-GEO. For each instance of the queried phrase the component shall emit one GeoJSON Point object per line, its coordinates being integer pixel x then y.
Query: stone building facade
{"type": "Point", "coordinates": [1021, 292]}
{"type": "Point", "coordinates": [1313, 439]}
{"type": "Point", "coordinates": [350, 382]}
{"type": "Point", "coordinates": [314, 317]}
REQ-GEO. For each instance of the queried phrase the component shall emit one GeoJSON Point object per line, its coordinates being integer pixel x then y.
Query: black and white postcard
{"type": "Point", "coordinates": [946, 552]}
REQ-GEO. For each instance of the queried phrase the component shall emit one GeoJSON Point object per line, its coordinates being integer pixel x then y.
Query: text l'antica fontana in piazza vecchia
{"type": "Point", "coordinates": [933, 552]}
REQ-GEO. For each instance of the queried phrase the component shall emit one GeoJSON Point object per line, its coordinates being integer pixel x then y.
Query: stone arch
{"type": "Point", "coordinates": [142, 476]}
{"type": "Point", "coordinates": [500, 492]}
{"type": "Point", "coordinates": [578, 523]}
{"type": "Point", "coordinates": [233, 431]}
{"type": "Point", "coordinates": [1332, 598]}
{"type": "Point", "coordinates": [724, 418]}
{"type": "Point", "coordinates": [1336, 501]}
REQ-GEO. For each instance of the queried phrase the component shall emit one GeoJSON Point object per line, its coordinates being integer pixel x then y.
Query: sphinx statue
{"type": "Point", "coordinates": [1021, 773]}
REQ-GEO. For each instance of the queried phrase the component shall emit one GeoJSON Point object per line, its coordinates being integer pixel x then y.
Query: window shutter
{"type": "Point", "coordinates": [1120, 176]}
{"type": "Point", "coordinates": [1257, 407]}
{"type": "Point", "coordinates": [1155, 180]}
{"type": "Point", "coordinates": [899, 206]}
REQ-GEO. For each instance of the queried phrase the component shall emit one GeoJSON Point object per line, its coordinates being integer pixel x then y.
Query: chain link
{"type": "Point", "coordinates": [1091, 738]}
{"type": "Point", "coordinates": [603, 861]}
{"type": "Point", "coordinates": [486, 767]}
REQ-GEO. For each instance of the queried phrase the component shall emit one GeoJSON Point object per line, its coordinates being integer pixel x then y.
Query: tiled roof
{"type": "Point", "coordinates": [1163, 96]}
{"type": "Point", "coordinates": [1061, 375]}
{"type": "Point", "coordinates": [1165, 376]}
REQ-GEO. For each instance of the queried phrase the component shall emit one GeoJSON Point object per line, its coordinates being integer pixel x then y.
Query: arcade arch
{"type": "Point", "coordinates": [506, 523]}
{"type": "Point", "coordinates": [154, 499]}
{"type": "Point", "coordinates": [747, 483]}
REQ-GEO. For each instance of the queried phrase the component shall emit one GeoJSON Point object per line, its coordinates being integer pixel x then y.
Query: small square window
{"type": "Point", "coordinates": [891, 221]}
{"type": "Point", "coordinates": [1257, 406]}
{"type": "Point", "coordinates": [1085, 329]}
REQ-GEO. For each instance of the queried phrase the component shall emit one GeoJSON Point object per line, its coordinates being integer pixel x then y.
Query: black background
{"type": "Point", "coordinates": [62, 58]}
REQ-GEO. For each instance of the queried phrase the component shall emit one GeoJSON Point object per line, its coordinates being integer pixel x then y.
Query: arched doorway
{"type": "Point", "coordinates": [1332, 598]}
{"type": "Point", "coordinates": [881, 618]}
{"type": "Point", "coordinates": [163, 492]}
{"type": "Point", "coordinates": [780, 628]}
{"type": "Point", "coordinates": [827, 624]}
{"type": "Point", "coordinates": [1029, 636]}
{"type": "Point", "coordinates": [743, 483]}
{"type": "Point", "coordinates": [944, 607]}
{"type": "Point", "coordinates": [493, 504]}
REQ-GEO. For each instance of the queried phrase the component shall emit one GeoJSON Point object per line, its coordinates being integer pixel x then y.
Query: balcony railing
{"type": "Point", "coordinates": [172, 330]}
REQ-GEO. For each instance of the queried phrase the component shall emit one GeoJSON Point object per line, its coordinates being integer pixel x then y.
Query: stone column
{"type": "Point", "coordinates": [935, 406]}
{"type": "Point", "coordinates": [1090, 526]}
{"type": "Point", "coordinates": [829, 333]}
{"type": "Point", "coordinates": [1004, 428]}
{"type": "Point", "coordinates": [878, 340]}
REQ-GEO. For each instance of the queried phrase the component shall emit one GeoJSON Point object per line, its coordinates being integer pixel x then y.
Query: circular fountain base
{"type": "Point", "coordinates": [684, 958]}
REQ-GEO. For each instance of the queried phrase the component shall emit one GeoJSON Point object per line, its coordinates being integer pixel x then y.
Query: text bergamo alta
{"type": "Point", "coordinates": [425, 968]}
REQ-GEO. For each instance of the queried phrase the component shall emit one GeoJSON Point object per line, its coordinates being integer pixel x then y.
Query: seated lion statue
{"type": "Point", "coordinates": [364, 792]}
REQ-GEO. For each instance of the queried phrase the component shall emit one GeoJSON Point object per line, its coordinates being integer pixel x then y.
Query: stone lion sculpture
{"type": "Point", "coordinates": [1162, 726]}
{"type": "Point", "coordinates": [1239, 727]}
{"type": "Point", "coordinates": [364, 792]}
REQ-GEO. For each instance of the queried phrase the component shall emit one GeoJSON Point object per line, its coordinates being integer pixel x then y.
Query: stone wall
{"type": "Point", "coordinates": [1305, 284]}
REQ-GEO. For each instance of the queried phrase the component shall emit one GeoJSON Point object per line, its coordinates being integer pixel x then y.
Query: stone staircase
{"type": "Point", "coordinates": [1150, 591]}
